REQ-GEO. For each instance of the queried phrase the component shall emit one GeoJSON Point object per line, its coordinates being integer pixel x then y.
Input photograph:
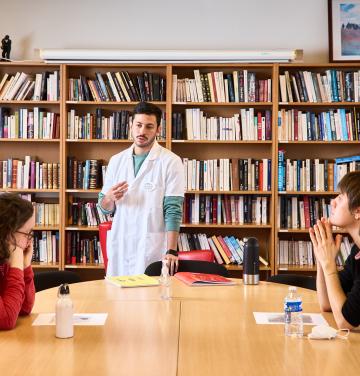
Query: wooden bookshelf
{"type": "Point", "coordinates": [322, 147]}
{"type": "Point", "coordinates": [58, 150]}
{"type": "Point", "coordinates": [46, 148]}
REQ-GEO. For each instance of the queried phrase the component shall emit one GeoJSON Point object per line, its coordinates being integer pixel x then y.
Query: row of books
{"type": "Point", "coordinates": [246, 125]}
{"type": "Point", "coordinates": [81, 249]}
{"type": "Point", "coordinates": [84, 213]}
{"type": "Point", "coordinates": [25, 86]}
{"type": "Point", "coordinates": [46, 214]}
{"type": "Point", "coordinates": [329, 86]}
{"type": "Point", "coordinates": [88, 174]}
{"type": "Point", "coordinates": [226, 209]}
{"type": "Point", "coordinates": [118, 87]}
{"type": "Point", "coordinates": [302, 212]}
{"type": "Point", "coordinates": [46, 246]}
{"type": "Point", "coordinates": [300, 252]}
{"type": "Point", "coordinates": [313, 174]}
{"type": "Point", "coordinates": [29, 174]}
{"type": "Point", "coordinates": [27, 124]}
{"type": "Point", "coordinates": [227, 249]}
{"type": "Point", "coordinates": [332, 125]}
{"type": "Point", "coordinates": [236, 86]}
{"type": "Point", "coordinates": [227, 174]}
{"type": "Point", "coordinates": [103, 125]}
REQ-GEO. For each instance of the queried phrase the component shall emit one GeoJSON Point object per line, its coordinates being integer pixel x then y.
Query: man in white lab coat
{"type": "Point", "coordinates": [144, 188]}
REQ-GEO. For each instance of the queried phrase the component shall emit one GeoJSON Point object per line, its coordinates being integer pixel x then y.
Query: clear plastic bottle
{"type": "Point", "coordinates": [165, 281]}
{"type": "Point", "coordinates": [64, 313]}
{"type": "Point", "coordinates": [293, 313]}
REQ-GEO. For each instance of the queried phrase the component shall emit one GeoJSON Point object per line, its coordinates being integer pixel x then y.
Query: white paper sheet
{"type": "Point", "coordinates": [78, 319]}
{"type": "Point", "coordinates": [278, 318]}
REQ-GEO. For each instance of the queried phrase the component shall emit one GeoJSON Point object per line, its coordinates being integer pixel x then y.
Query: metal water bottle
{"type": "Point", "coordinates": [251, 262]}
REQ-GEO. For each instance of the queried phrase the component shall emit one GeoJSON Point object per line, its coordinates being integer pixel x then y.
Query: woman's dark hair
{"type": "Point", "coordinates": [14, 212]}
{"type": "Point", "coordinates": [350, 184]}
{"type": "Point", "coordinates": [148, 109]}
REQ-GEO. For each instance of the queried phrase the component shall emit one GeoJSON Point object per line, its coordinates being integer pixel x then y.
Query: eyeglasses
{"type": "Point", "coordinates": [29, 235]}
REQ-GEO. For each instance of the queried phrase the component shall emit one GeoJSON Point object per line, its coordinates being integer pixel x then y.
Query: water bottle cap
{"type": "Point", "coordinates": [64, 289]}
{"type": "Point", "coordinates": [292, 288]}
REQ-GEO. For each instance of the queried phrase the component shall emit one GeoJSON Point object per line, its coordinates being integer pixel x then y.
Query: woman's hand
{"type": "Point", "coordinates": [28, 253]}
{"type": "Point", "coordinates": [16, 259]}
{"type": "Point", "coordinates": [325, 248]}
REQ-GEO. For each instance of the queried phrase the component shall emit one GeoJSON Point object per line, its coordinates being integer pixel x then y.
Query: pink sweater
{"type": "Point", "coordinates": [17, 294]}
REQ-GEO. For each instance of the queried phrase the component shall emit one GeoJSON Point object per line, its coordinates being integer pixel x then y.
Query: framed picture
{"type": "Point", "coordinates": [344, 30]}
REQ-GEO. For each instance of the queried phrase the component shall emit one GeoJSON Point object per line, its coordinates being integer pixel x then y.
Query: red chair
{"type": "Point", "coordinates": [103, 229]}
{"type": "Point", "coordinates": [197, 255]}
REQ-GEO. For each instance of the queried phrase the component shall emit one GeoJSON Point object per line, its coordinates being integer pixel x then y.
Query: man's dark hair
{"type": "Point", "coordinates": [350, 184]}
{"type": "Point", "coordinates": [148, 109]}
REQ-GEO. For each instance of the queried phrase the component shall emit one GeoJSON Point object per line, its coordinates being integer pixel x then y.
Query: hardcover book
{"type": "Point", "coordinates": [202, 279]}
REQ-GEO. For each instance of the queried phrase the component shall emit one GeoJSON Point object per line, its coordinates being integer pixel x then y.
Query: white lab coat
{"type": "Point", "coordinates": [138, 235]}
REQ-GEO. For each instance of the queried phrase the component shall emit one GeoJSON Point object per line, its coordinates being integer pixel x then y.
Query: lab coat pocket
{"type": "Point", "coordinates": [155, 220]}
{"type": "Point", "coordinates": [155, 246]}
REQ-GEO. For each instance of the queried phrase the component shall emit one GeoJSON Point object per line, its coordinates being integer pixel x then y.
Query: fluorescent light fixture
{"type": "Point", "coordinates": [52, 55]}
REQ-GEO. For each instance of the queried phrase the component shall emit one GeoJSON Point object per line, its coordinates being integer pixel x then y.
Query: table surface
{"type": "Point", "coordinates": [201, 331]}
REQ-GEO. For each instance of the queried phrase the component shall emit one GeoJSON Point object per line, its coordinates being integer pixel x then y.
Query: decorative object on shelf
{"type": "Point", "coordinates": [167, 56]}
{"type": "Point", "coordinates": [6, 48]}
{"type": "Point", "coordinates": [344, 30]}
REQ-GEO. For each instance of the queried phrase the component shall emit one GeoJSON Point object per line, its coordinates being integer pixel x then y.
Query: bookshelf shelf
{"type": "Point", "coordinates": [46, 228]}
{"type": "Point", "coordinates": [319, 142]}
{"type": "Point", "coordinates": [30, 103]}
{"type": "Point", "coordinates": [82, 190]}
{"type": "Point", "coordinates": [109, 103]}
{"type": "Point", "coordinates": [244, 226]}
{"type": "Point", "coordinates": [309, 193]}
{"type": "Point", "coordinates": [230, 192]}
{"type": "Point", "coordinates": [224, 104]}
{"type": "Point", "coordinates": [85, 266]}
{"type": "Point", "coordinates": [44, 140]}
{"type": "Point", "coordinates": [82, 228]}
{"type": "Point", "coordinates": [45, 265]}
{"type": "Point", "coordinates": [321, 104]}
{"type": "Point", "coordinates": [220, 142]}
{"type": "Point", "coordinates": [30, 190]}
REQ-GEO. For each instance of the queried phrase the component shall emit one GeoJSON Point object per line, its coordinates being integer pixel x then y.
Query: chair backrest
{"type": "Point", "coordinates": [197, 255]}
{"type": "Point", "coordinates": [298, 280]}
{"type": "Point", "coordinates": [154, 269]}
{"type": "Point", "coordinates": [103, 229]}
{"type": "Point", "coordinates": [47, 280]}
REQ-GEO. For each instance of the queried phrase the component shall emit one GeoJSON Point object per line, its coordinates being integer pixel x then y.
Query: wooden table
{"type": "Point", "coordinates": [201, 331]}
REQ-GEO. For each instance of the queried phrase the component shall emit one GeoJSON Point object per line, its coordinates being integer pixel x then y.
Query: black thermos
{"type": "Point", "coordinates": [251, 262]}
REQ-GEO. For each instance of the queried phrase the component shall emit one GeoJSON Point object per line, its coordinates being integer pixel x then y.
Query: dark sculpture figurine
{"type": "Point", "coordinates": [6, 47]}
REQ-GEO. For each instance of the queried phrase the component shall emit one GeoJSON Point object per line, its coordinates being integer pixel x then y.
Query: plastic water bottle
{"type": "Point", "coordinates": [64, 313]}
{"type": "Point", "coordinates": [165, 281]}
{"type": "Point", "coordinates": [293, 313]}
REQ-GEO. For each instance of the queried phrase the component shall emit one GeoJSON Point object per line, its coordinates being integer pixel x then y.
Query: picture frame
{"type": "Point", "coordinates": [344, 30]}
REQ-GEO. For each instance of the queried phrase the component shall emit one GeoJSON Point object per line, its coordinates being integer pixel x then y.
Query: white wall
{"type": "Point", "coordinates": [166, 24]}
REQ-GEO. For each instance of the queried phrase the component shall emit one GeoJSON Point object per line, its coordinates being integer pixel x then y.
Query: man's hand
{"type": "Point", "coordinates": [118, 191]}
{"type": "Point", "coordinates": [173, 263]}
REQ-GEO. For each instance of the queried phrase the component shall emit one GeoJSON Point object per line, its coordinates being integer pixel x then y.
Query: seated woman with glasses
{"type": "Point", "coordinates": [17, 292]}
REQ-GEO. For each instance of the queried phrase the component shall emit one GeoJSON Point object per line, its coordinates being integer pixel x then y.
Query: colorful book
{"type": "Point", "coordinates": [203, 279]}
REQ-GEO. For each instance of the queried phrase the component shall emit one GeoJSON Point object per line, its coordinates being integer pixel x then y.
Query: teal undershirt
{"type": "Point", "coordinates": [172, 204]}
